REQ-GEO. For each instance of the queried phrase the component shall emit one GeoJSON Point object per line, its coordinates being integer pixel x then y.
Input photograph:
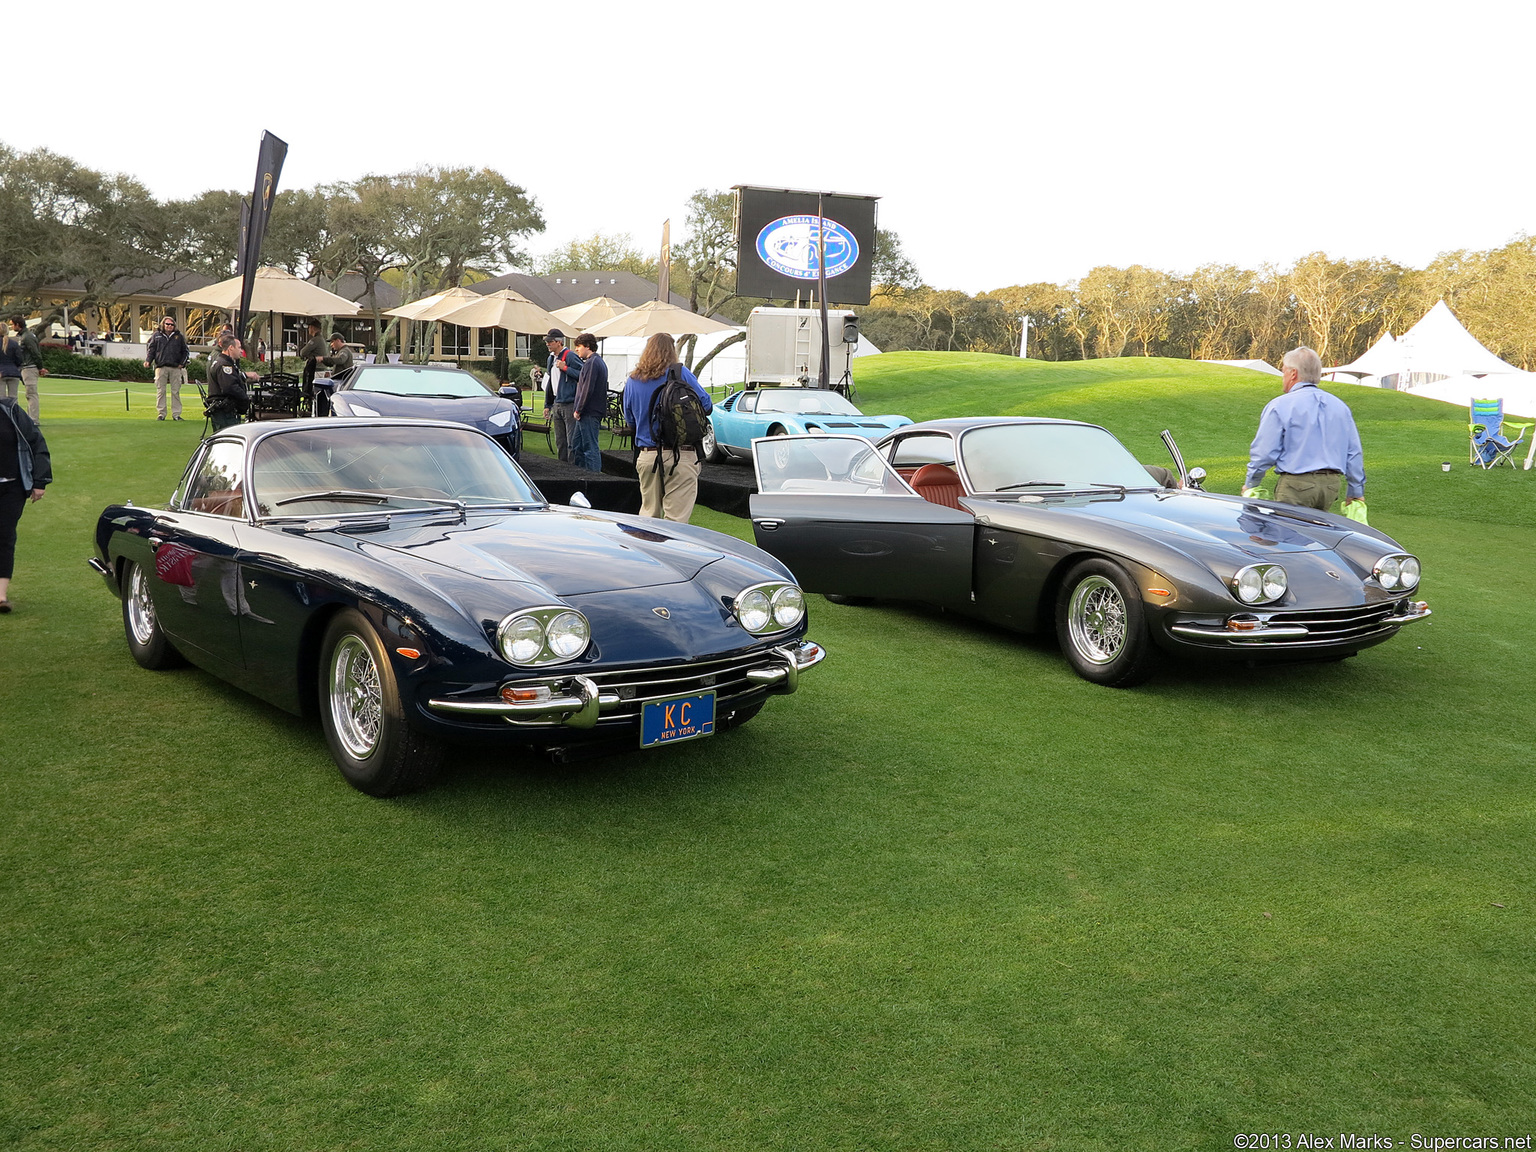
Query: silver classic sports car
{"type": "Point", "coordinates": [406, 580]}
{"type": "Point", "coordinates": [1040, 524]}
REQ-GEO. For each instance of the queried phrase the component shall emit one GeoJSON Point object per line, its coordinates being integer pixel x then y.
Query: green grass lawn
{"type": "Point", "coordinates": [949, 896]}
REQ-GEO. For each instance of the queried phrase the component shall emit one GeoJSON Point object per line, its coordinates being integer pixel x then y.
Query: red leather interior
{"type": "Point", "coordinates": [938, 484]}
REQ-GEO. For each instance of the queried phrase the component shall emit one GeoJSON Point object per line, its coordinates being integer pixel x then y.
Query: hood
{"type": "Point", "coordinates": [473, 410]}
{"type": "Point", "coordinates": [1187, 518]}
{"type": "Point", "coordinates": [568, 551]}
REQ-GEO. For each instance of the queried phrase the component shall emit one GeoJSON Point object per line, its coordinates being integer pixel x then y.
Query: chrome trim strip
{"type": "Point", "coordinates": [1222, 632]}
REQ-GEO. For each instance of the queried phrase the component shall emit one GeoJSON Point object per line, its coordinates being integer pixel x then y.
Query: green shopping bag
{"type": "Point", "coordinates": [1355, 510]}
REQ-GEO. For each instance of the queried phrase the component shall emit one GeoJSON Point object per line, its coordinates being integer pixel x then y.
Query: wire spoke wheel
{"type": "Point", "coordinates": [141, 609]}
{"type": "Point", "coordinates": [355, 700]}
{"type": "Point", "coordinates": [1096, 616]}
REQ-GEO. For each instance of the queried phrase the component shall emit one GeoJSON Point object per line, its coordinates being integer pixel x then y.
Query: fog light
{"type": "Point", "coordinates": [536, 695]}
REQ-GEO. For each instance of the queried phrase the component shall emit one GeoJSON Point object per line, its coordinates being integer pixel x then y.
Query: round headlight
{"type": "Point", "coordinates": [1250, 586]}
{"type": "Point", "coordinates": [753, 611]}
{"type": "Point", "coordinates": [788, 606]}
{"type": "Point", "coordinates": [1408, 573]}
{"type": "Point", "coordinates": [1389, 572]}
{"type": "Point", "coordinates": [568, 634]}
{"type": "Point", "coordinates": [1275, 582]}
{"type": "Point", "coordinates": [522, 639]}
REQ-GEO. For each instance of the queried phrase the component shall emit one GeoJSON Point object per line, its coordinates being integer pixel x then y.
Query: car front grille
{"type": "Point", "coordinates": [1335, 625]}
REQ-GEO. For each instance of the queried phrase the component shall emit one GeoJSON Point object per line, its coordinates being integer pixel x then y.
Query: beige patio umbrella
{"type": "Point", "coordinates": [435, 306]}
{"type": "Point", "coordinates": [656, 316]}
{"type": "Point", "coordinates": [506, 309]}
{"type": "Point", "coordinates": [275, 291]}
{"type": "Point", "coordinates": [590, 312]}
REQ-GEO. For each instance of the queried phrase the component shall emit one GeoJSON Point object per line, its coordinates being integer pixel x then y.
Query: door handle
{"type": "Point", "coordinates": [768, 525]}
{"type": "Point", "coordinates": [154, 543]}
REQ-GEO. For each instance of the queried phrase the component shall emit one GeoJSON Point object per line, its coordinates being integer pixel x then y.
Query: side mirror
{"type": "Point", "coordinates": [579, 500]}
{"type": "Point", "coordinates": [1197, 479]}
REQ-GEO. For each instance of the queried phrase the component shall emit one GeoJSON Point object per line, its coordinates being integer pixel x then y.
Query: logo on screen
{"type": "Point", "coordinates": [790, 246]}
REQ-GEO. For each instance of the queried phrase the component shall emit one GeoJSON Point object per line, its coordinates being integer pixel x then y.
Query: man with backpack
{"type": "Point", "coordinates": [669, 412]}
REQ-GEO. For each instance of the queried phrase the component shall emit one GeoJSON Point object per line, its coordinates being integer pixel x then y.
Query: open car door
{"type": "Point", "coordinates": [833, 510]}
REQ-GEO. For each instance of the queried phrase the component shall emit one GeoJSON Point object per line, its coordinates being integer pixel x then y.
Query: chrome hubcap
{"type": "Point", "coordinates": [141, 609]}
{"type": "Point", "coordinates": [356, 704]}
{"type": "Point", "coordinates": [709, 439]}
{"type": "Point", "coordinates": [1096, 618]}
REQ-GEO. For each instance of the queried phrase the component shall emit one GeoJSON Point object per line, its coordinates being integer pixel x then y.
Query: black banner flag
{"type": "Point", "coordinates": [253, 221]}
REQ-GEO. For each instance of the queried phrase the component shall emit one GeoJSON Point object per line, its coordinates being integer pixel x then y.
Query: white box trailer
{"type": "Point", "coordinates": [784, 346]}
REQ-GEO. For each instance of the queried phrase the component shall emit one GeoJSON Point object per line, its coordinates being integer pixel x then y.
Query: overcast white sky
{"type": "Point", "coordinates": [1009, 142]}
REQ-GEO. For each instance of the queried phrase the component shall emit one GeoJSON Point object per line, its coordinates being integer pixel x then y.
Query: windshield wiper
{"type": "Point", "coordinates": [1032, 484]}
{"type": "Point", "coordinates": [342, 495]}
{"type": "Point", "coordinates": [1117, 487]}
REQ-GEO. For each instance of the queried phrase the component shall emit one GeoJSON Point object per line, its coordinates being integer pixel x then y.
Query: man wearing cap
{"type": "Point", "coordinates": [168, 354]}
{"type": "Point", "coordinates": [562, 372]}
{"type": "Point", "coordinates": [339, 360]}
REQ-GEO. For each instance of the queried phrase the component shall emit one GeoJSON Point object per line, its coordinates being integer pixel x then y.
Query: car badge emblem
{"type": "Point", "coordinates": [663, 613]}
{"type": "Point", "coordinates": [1335, 575]}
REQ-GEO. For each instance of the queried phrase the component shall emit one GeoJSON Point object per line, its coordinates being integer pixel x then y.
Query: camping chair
{"type": "Point", "coordinates": [1485, 428]}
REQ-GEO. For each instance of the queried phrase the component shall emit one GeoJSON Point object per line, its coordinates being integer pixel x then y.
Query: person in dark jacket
{"type": "Point", "coordinates": [310, 353]}
{"type": "Point", "coordinates": [31, 363]}
{"type": "Point", "coordinates": [25, 470]}
{"type": "Point", "coordinates": [10, 367]}
{"type": "Point", "coordinates": [228, 398]}
{"type": "Point", "coordinates": [168, 354]}
{"type": "Point", "coordinates": [561, 372]}
{"type": "Point", "coordinates": [591, 404]}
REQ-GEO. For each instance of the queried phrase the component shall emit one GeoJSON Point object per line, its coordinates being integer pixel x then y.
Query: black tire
{"type": "Point", "coordinates": [146, 639]}
{"type": "Point", "coordinates": [853, 601]}
{"type": "Point", "coordinates": [1102, 626]}
{"type": "Point", "coordinates": [778, 430]}
{"type": "Point", "coordinates": [736, 717]}
{"type": "Point", "coordinates": [711, 448]}
{"type": "Point", "coordinates": [365, 726]}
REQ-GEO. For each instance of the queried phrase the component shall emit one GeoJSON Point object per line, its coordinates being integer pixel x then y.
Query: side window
{"type": "Point", "coordinates": [748, 402]}
{"type": "Point", "coordinates": [218, 485]}
{"type": "Point", "coordinates": [923, 448]}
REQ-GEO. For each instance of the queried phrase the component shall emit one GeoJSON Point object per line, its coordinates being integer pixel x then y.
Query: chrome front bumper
{"type": "Point", "coordinates": [1284, 629]}
{"type": "Point", "coordinates": [582, 701]}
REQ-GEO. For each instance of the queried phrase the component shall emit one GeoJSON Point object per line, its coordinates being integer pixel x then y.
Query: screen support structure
{"type": "Point", "coordinates": [821, 293]}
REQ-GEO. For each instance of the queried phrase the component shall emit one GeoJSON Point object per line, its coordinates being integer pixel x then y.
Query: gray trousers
{"type": "Point", "coordinates": [565, 429]}
{"type": "Point", "coordinates": [175, 377]}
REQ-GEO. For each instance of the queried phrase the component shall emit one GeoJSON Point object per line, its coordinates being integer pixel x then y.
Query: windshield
{"type": "Point", "coordinates": [838, 465]}
{"type": "Point", "coordinates": [803, 403]}
{"type": "Point", "coordinates": [448, 382]}
{"type": "Point", "coordinates": [1047, 457]}
{"type": "Point", "coordinates": [323, 472]}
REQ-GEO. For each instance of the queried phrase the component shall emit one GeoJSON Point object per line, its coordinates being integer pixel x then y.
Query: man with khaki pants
{"type": "Point", "coordinates": [168, 355]}
{"type": "Point", "coordinates": [31, 364]}
{"type": "Point", "coordinates": [1309, 438]}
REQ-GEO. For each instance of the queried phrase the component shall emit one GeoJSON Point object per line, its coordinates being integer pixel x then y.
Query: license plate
{"type": "Point", "coordinates": [673, 721]}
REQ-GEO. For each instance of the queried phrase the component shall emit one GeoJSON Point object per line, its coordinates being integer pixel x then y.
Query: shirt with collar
{"type": "Point", "coordinates": [1308, 430]}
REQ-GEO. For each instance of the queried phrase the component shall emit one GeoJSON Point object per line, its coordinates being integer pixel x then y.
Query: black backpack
{"type": "Point", "coordinates": [677, 417]}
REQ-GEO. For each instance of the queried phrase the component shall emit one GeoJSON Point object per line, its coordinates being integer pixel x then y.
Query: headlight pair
{"type": "Point", "coordinates": [765, 608]}
{"type": "Point", "coordinates": [550, 635]}
{"type": "Point", "coordinates": [1398, 572]}
{"type": "Point", "coordinates": [1259, 583]}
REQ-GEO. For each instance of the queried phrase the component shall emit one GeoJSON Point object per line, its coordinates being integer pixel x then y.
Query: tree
{"type": "Point", "coordinates": [452, 221]}
{"type": "Point", "coordinates": [599, 252]}
{"type": "Point", "coordinates": [892, 274]}
{"type": "Point", "coordinates": [707, 255]}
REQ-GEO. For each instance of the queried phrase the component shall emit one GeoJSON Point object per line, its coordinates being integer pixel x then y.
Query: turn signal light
{"type": "Point", "coordinates": [1159, 591]}
{"type": "Point", "coordinates": [1242, 624]}
{"type": "Point", "coordinates": [525, 695]}
{"type": "Point", "coordinates": [409, 653]}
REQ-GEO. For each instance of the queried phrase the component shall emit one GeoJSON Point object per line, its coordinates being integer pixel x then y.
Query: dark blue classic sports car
{"type": "Point", "coordinates": [426, 392]}
{"type": "Point", "coordinates": [407, 581]}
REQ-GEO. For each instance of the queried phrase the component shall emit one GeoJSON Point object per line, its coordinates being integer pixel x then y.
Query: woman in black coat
{"type": "Point", "coordinates": [25, 470]}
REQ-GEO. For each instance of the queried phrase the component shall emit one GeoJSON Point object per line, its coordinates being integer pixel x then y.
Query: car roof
{"type": "Point", "coordinates": [415, 368]}
{"type": "Point", "coordinates": [261, 428]}
{"type": "Point", "coordinates": [956, 424]}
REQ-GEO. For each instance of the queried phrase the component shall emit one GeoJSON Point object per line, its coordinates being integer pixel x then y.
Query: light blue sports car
{"type": "Point", "coordinates": [790, 411]}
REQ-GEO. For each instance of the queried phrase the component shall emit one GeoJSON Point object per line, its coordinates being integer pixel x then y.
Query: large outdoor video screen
{"type": "Point", "coordinates": [777, 244]}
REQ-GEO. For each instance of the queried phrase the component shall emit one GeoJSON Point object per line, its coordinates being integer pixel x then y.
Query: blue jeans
{"type": "Point", "coordinates": [584, 450]}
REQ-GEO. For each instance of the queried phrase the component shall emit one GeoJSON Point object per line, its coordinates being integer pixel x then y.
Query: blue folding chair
{"type": "Point", "coordinates": [1490, 444]}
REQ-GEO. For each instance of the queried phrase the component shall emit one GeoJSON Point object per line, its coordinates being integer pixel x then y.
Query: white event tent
{"type": "Point", "coordinates": [1440, 360]}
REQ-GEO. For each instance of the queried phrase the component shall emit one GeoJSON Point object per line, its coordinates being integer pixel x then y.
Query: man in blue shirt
{"type": "Point", "coordinates": [1309, 438]}
{"type": "Point", "coordinates": [561, 372]}
{"type": "Point", "coordinates": [591, 404]}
